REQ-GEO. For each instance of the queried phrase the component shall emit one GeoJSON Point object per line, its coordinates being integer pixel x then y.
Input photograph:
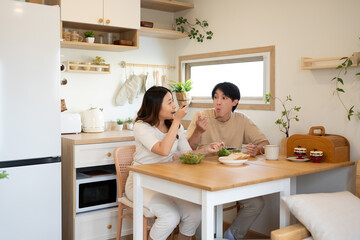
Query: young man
{"type": "Point", "coordinates": [234, 129]}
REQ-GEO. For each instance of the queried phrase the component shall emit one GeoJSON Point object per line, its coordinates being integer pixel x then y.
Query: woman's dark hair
{"type": "Point", "coordinates": [151, 105]}
{"type": "Point", "coordinates": [229, 89]}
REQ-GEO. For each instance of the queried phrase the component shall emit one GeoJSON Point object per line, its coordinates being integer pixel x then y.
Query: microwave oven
{"type": "Point", "coordinates": [95, 189]}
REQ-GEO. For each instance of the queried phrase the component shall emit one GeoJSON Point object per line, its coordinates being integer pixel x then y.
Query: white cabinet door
{"type": "Point", "coordinates": [82, 11]}
{"type": "Point", "coordinates": [90, 155]}
{"type": "Point", "coordinates": [122, 13]}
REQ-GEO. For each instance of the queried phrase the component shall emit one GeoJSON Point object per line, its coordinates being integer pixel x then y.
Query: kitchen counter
{"type": "Point", "coordinates": [103, 137]}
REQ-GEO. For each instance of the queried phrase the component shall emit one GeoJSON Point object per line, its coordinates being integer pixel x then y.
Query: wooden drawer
{"type": "Point", "coordinates": [96, 154]}
{"type": "Point", "coordinates": [96, 225]}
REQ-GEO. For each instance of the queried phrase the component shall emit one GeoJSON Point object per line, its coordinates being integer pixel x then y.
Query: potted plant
{"type": "Point", "coordinates": [89, 36]}
{"type": "Point", "coordinates": [120, 124]}
{"type": "Point", "coordinates": [129, 123]}
{"type": "Point", "coordinates": [286, 114]}
{"type": "Point", "coordinates": [181, 90]}
{"type": "Point", "coordinates": [284, 121]}
{"type": "Point", "coordinates": [183, 25]}
{"type": "Point", "coordinates": [99, 61]}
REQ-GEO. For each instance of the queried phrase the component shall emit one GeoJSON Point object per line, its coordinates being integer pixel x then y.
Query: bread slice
{"type": "Point", "coordinates": [236, 156]}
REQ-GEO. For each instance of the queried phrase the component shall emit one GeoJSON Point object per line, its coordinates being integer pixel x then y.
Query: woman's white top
{"type": "Point", "coordinates": [146, 136]}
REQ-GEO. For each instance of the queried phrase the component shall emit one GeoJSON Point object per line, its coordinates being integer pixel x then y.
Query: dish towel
{"type": "Point", "coordinates": [132, 87]}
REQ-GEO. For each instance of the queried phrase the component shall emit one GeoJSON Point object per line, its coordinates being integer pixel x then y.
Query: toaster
{"type": "Point", "coordinates": [70, 122]}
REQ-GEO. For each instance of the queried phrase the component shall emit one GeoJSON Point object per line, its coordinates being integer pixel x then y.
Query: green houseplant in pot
{"type": "Point", "coordinates": [89, 36]}
{"type": "Point", "coordinates": [287, 115]}
{"type": "Point", "coordinates": [119, 124]}
{"type": "Point", "coordinates": [129, 123]}
{"type": "Point", "coordinates": [181, 90]}
{"type": "Point", "coordinates": [99, 61]}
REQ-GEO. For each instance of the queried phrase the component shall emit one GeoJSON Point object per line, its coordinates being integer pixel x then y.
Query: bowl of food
{"type": "Point", "coordinates": [191, 158]}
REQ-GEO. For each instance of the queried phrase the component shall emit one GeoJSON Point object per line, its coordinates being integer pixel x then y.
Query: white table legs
{"type": "Point", "coordinates": [208, 200]}
{"type": "Point", "coordinates": [138, 208]}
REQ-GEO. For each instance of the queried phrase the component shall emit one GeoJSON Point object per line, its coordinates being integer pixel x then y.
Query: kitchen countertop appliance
{"type": "Point", "coordinates": [30, 137]}
{"type": "Point", "coordinates": [70, 122]}
{"type": "Point", "coordinates": [93, 120]}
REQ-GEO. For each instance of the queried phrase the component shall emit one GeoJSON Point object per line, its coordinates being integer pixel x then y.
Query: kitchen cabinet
{"type": "Point", "coordinates": [113, 13]}
{"type": "Point", "coordinates": [83, 151]}
{"type": "Point", "coordinates": [117, 16]}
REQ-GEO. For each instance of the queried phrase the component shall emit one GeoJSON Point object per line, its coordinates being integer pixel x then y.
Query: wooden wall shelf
{"type": "Point", "coordinates": [161, 33]}
{"type": "Point", "coordinates": [97, 46]}
{"type": "Point", "coordinates": [166, 5]}
{"type": "Point", "coordinates": [86, 68]}
{"type": "Point", "coordinates": [321, 63]}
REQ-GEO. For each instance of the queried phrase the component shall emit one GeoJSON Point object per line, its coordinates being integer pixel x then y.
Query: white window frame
{"type": "Point", "coordinates": [268, 54]}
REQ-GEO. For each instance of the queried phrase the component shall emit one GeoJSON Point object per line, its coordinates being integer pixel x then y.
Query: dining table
{"type": "Point", "coordinates": [212, 184]}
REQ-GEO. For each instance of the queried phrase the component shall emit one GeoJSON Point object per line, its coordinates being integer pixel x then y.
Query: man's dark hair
{"type": "Point", "coordinates": [229, 89]}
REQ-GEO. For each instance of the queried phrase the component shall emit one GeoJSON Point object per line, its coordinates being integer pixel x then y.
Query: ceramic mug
{"type": "Point", "coordinates": [67, 36]}
{"type": "Point", "coordinates": [272, 152]}
{"type": "Point", "coordinates": [75, 37]}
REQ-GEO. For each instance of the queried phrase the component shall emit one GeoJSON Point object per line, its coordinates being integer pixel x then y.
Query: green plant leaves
{"type": "Point", "coordinates": [340, 90]}
{"type": "Point", "coordinates": [286, 115]}
{"type": "Point", "coordinates": [347, 62]}
{"type": "Point", "coordinates": [180, 86]}
{"type": "Point", "coordinates": [184, 25]}
{"type": "Point", "coordinates": [3, 174]}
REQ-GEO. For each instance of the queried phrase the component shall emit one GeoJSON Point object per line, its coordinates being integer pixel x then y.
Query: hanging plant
{"type": "Point", "coordinates": [183, 25]}
{"type": "Point", "coordinates": [348, 62]}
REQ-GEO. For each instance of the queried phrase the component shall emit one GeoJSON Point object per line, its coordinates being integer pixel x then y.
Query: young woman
{"type": "Point", "coordinates": [159, 135]}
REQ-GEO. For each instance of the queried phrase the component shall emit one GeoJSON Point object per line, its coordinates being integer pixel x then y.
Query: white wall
{"type": "Point", "coordinates": [85, 90]}
{"type": "Point", "coordinates": [316, 29]}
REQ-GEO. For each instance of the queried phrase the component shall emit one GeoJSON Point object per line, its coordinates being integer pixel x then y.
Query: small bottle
{"type": "Point", "coordinates": [101, 39]}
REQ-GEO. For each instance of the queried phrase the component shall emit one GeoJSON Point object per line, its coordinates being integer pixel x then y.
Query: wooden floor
{"type": "Point", "coordinates": [249, 235]}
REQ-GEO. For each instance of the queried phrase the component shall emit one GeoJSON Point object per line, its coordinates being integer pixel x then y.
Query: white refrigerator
{"type": "Point", "coordinates": [30, 138]}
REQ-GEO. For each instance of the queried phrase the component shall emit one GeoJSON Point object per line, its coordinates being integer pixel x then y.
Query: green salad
{"type": "Point", "coordinates": [191, 158]}
{"type": "Point", "coordinates": [223, 152]}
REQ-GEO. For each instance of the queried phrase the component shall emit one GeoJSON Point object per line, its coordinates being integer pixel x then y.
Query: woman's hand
{"type": "Point", "coordinates": [181, 112]}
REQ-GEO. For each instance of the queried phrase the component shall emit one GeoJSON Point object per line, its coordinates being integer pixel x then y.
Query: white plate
{"type": "Point", "coordinates": [295, 159]}
{"type": "Point", "coordinates": [232, 162]}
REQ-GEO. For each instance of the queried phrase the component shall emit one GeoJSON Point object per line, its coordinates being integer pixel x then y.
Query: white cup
{"type": "Point", "coordinates": [272, 152]}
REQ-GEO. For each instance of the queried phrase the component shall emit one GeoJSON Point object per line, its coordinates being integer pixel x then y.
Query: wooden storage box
{"type": "Point", "coordinates": [336, 148]}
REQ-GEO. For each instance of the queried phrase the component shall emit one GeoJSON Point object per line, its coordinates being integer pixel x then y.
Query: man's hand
{"type": "Point", "coordinates": [201, 124]}
{"type": "Point", "coordinates": [252, 149]}
{"type": "Point", "coordinates": [214, 147]}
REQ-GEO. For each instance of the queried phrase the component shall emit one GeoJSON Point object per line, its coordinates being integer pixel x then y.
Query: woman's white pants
{"type": "Point", "coordinates": [169, 212]}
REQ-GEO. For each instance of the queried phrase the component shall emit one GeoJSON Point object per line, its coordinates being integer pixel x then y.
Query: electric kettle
{"type": "Point", "coordinates": [93, 120]}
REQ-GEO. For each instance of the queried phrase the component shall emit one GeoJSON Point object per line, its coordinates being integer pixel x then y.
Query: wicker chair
{"type": "Point", "coordinates": [123, 157]}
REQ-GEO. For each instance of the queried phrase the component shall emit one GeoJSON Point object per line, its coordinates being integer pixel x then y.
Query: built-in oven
{"type": "Point", "coordinates": [95, 189]}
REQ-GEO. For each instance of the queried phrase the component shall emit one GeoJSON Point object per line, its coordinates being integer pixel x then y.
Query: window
{"type": "Point", "coordinates": [252, 70]}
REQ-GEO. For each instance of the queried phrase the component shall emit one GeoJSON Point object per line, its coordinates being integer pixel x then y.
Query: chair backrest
{"type": "Point", "coordinates": [123, 157]}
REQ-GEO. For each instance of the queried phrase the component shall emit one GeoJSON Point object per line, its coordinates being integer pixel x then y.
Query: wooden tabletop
{"type": "Point", "coordinates": [211, 175]}
{"type": "Point", "coordinates": [102, 137]}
